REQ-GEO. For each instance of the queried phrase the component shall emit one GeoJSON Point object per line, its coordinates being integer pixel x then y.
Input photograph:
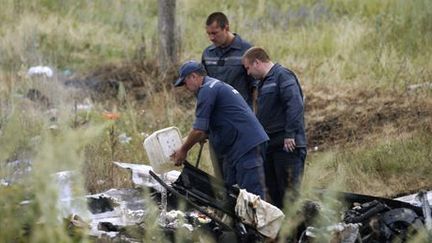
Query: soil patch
{"type": "Point", "coordinates": [139, 79]}
{"type": "Point", "coordinates": [335, 116]}
{"type": "Point", "coordinates": [348, 116]}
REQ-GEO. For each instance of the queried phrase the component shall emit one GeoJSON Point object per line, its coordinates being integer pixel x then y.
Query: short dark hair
{"type": "Point", "coordinates": [256, 53]}
{"type": "Point", "coordinates": [218, 17]}
{"type": "Point", "coordinates": [201, 72]}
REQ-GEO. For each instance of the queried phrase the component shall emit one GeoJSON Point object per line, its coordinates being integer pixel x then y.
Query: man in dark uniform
{"type": "Point", "coordinates": [222, 60]}
{"type": "Point", "coordinates": [280, 109]}
{"type": "Point", "coordinates": [223, 116]}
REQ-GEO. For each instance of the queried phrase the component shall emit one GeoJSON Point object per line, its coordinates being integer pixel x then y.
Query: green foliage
{"type": "Point", "coordinates": [403, 24]}
{"type": "Point", "coordinates": [376, 170]}
{"type": "Point", "coordinates": [408, 155]}
{"type": "Point", "coordinates": [17, 219]}
{"type": "Point", "coordinates": [35, 32]}
{"type": "Point", "coordinates": [19, 133]}
{"type": "Point", "coordinates": [364, 41]}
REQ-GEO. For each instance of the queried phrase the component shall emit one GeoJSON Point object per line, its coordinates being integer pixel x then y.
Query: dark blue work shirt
{"type": "Point", "coordinates": [225, 64]}
{"type": "Point", "coordinates": [281, 107]}
{"type": "Point", "coordinates": [232, 126]}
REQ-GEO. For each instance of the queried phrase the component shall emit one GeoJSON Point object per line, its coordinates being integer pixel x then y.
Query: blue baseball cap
{"type": "Point", "coordinates": [187, 68]}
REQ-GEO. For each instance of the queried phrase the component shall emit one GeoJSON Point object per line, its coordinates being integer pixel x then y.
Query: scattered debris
{"type": "Point", "coordinates": [106, 81]}
{"type": "Point", "coordinates": [121, 214]}
{"type": "Point", "coordinates": [414, 87]}
{"type": "Point", "coordinates": [141, 178]}
{"type": "Point", "coordinates": [124, 139]}
{"type": "Point", "coordinates": [40, 70]}
{"type": "Point", "coordinates": [366, 218]}
{"type": "Point", "coordinates": [15, 171]}
{"type": "Point", "coordinates": [116, 209]}
{"type": "Point", "coordinates": [85, 106]}
{"type": "Point", "coordinates": [421, 199]}
{"type": "Point", "coordinates": [39, 98]}
{"type": "Point", "coordinates": [68, 204]}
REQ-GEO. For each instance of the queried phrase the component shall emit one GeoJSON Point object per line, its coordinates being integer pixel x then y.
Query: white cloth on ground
{"type": "Point", "coordinates": [265, 217]}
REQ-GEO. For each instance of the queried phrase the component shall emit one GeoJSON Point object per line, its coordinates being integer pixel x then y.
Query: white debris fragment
{"type": "Point", "coordinates": [141, 175]}
{"type": "Point", "coordinates": [86, 106]}
{"type": "Point", "coordinates": [414, 200]}
{"type": "Point", "coordinates": [15, 172]}
{"type": "Point", "coordinates": [3, 182]}
{"type": "Point", "coordinates": [40, 70]}
{"type": "Point", "coordinates": [174, 214]}
{"type": "Point", "coordinates": [124, 139]}
{"type": "Point", "coordinates": [68, 203]}
{"type": "Point", "coordinates": [188, 226]}
{"type": "Point", "coordinates": [100, 182]}
{"type": "Point", "coordinates": [415, 87]}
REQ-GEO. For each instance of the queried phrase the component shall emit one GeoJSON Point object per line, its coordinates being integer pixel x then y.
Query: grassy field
{"type": "Point", "coordinates": [369, 130]}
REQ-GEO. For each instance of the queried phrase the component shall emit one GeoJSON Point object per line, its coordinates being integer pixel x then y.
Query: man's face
{"type": "Point", "coordinates": [191, 82]}
{"type": "Point", "coordinates": [217, 35]}
{"type": "Point", "coordinates": [252, 68]}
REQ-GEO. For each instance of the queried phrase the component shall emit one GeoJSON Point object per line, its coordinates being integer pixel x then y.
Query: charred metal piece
{"type": "Point", "coordinates": [365, 212]}
{"type": "Point", "coordinates": [426, 209]}
{"type": "Point", "coordinates": [201, 190]}
{"type": "Point", "coordinates": [100, 205]}
{"type": "Point", "coordinates": [384, 220]}
{"type": "Point", "coordinates": [399, 223]}
{"type": "Point", "coordinates": [370, 219]}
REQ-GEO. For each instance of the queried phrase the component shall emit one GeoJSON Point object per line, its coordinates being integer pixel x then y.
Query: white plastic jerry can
{"type": "Point", "coordinates": [159, 147]}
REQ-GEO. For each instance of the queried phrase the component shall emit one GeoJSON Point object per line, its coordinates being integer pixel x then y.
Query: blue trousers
{"type": "Point", "coordinates": [247, 172]}
{"type": "Point", "coordinates": [283, 173]}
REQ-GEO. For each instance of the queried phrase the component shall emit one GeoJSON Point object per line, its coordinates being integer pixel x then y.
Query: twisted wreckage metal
{"type": "Point", "coordinates": [367, 219]}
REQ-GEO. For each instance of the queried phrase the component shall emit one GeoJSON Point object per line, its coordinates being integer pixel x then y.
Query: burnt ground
{"type": "Point", "coordinates": [344, 117]}
{"type": "Point", "coordinates": [140, 79]}
{"type": "Point", "coordinates": [335, 116]}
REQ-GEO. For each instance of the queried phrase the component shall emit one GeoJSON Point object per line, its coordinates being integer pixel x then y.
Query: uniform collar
{"type": "Point", "coordinates": [236, 44]}
{"type": "Point", "coordinates": [205, 81]}
{"type": "Point", "coordinates": [269, 74]}
{"type": "Point", "coordinates": [272, 70]}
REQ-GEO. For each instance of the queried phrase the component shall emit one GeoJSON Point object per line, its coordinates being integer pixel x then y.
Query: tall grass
{"type": "Point", "coordinates": [362, 40]}
{"type": "Point", "coordinates": [387, 168]}
{"type": "Point", "coordinates": [74, 34]}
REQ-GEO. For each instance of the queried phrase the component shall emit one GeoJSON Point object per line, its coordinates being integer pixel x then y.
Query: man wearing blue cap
{"type": "Point", "coordinates": [224, 117]}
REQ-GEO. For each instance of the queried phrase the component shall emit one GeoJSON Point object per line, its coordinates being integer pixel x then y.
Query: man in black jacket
{"type": "Point", "coordinates": [222, 60]}
{"type": "Point", "coordinates": [280, 109]}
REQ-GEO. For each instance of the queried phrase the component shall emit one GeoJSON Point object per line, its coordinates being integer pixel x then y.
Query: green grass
{"type": "Point", "coordinates": [386, 168]}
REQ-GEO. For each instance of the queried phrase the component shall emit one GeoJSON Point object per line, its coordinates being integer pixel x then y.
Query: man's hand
{"type": "Point", "coordinates": [195, 136]}
{"type": "Point", "coordinates": [179, 156]}
{"type": "Point", "coordinates": [202, 142]}
{"type": "Point", "coordinates": [289, 144]}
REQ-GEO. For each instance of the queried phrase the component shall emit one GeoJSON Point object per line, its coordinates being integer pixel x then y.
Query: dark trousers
{"type": "Point", "coordinates": [217, 162]}
{"type": "Point", "coordinates": [247, 172]}
{"type": "Point", "coordinates": [283, 173]}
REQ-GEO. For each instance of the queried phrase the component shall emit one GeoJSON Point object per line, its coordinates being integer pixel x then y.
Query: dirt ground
{"type": "Point", "coordinates": [348, 116]}
{"type": "Point", "coordinates": [335, 116]}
